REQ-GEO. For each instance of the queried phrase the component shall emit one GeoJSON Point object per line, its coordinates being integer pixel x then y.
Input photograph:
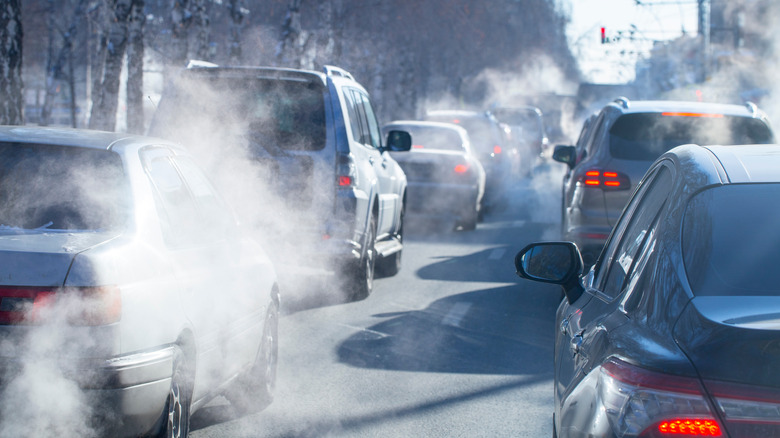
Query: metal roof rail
{"type": "Point", "coordinates": [752, 107]}
{"type": "Point", "coordinates": [332, 70]}
{"type": "Point", "coordinates": [195, 63]}
{"type": "Point", "coordinates": [623, 101]}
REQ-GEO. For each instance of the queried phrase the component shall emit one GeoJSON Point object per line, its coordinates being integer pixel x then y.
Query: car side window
{"type": "Point", "coordinates": [179, 215]}
{"type": "Point", "coordinates": [373, 125]}
{"type": "Point", "coordinates": [354, 117]}
{"type": "Point", "coordinates": [598, 132]}
{"type": "Point", "coordinates": [642, 214]}
{"type": "Point", "coordinates": [216, 221]}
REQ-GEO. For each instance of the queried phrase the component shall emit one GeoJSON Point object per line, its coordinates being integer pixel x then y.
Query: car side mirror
{"type": "Point", "coordinates": [552, 262]}
{"type": "Point", "coordinates": [566, 154]}
{"type": "Point", "coordinates": [399, 141]}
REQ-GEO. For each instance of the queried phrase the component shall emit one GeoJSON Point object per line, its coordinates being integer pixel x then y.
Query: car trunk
{"type": "Point", "coordinates": [732, 339]}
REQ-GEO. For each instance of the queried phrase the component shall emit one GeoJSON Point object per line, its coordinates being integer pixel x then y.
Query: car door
{"type": "Point", "coordinates": [383, 165]}
{"type": "Point", "coordinates": [584, 326]}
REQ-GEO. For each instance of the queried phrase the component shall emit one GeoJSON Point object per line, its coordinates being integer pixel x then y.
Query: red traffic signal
{"type": "Point", "coordinates": [603, 35]}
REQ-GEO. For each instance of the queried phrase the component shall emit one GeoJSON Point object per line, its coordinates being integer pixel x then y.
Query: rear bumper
{"type": "Point", "coordinates": [440, 200]}
{"type": "Point", "coordinates": [122, 396]}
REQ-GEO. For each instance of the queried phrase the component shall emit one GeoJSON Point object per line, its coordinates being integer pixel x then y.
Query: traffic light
{"type": "Point", "coordinates": [603, 35]}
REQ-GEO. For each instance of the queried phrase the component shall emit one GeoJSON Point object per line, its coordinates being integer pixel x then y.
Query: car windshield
{"type": "Point", "coordinates": [483, 133]}
{"type": "Point", "coordinates": [276, 115]}
{"type": "Point", "coordinates": [60, 188]}
{"type": "Point", "coordinates": [731, 241]}
{"type": "Point", "coordinates": [646, 136]}
{"type": "Point", "coordinates": [527, 121]}
{"type": "Point", "coordinates": [424, 137]}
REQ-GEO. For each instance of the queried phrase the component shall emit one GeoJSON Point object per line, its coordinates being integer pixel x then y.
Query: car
{"type": "Point", "coordinates": [528, 130]}
{"type": "Point", "coordinates": [338, 196]}
{"type": "Point", "coordinates": [674, 330]}
{"type": "Point", "coordinates": [444, 178]}
{"type": "Point", "coordinates": [488, 141]}
{"type": "Point", "coordinates": [620, 145]}
{"type": "Point", "coordinates": [126, 285]}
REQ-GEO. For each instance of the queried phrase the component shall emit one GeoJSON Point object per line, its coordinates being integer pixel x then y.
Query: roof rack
{"type": "Point", "coordinates": [195, 63]}
{"type": "Point", "coordinates": [332, 70]}
{"type": "Point", "coordinates": [623, 101]}
{"type": "Point", "coordinates": [752, 107]}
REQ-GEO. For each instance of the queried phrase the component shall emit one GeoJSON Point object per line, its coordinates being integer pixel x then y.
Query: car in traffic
{"type": "Point", "coordinates": [528, 130]}
{"type": "Point", "coordinates": [674, 331]}
{"type": "Point", "coordinates": [488, 142]}
{"type": "Point", "coordinates": [620, 144]}
{"type": "Point", "coordinates": [124, 276]}
{"type": "Point", "coordinates": [323, 168]}
{"type": "Point", "coordinates": [445, 180]}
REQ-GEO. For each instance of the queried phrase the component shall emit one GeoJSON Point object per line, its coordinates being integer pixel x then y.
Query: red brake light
{"type": "Point", "coordinates": [461, 168]}
{"type": "Point", "coordinates": [84, 306]}
{"type": "Point", "coordinates": [607, 179]}
{"type": "Point", "coordinates": [686, 114]}
{"type": "Point", "coordinates": [690, 427]}
{"type": "Point", "coordinates": [345, 181]}
{"type": "Point", "coordinates": [496, 149]}
{"type": "Point", "coordinates": [418, 146]}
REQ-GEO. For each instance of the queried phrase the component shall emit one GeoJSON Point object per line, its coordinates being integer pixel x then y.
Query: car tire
{"type": "Point", "coordinates": [468, 221]}
{"type": "Point", "coordinates": [176, 414]}
{"type": "Point", "coordinates": [254, 391]}
{"type": "Point", "coordinates": [361, 278]}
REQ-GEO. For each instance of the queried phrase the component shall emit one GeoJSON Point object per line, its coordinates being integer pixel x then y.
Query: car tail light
{"type": "Point", "coordinates": [497, 149]}
{"type": "Point", "coordinates": [346, 172]}
{"type": "Point", "coordinates": [689, 114]}
{"type": "Point", "coordinates": [418, 146]}
{"type": "Point", "coordinates": [461, 168]}
{"type": "Point", "coordinates": [649, 404]}
{"type": "Point", "coordinates": [84, 306]}
{"type": "Point", "coordinates": [605, 179]}
{"type": "Point", "coordinates": [747, 411]}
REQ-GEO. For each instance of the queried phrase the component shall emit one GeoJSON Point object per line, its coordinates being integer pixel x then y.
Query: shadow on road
{"type": "Point", "coordinates": [505, 330]}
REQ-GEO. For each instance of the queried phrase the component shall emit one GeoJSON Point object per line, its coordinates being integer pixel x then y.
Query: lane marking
{"type": "Point", "coordinates": [454, 317]}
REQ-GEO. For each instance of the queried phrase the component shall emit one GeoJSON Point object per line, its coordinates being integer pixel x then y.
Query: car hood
{"type": "Point", "coordinates": [37, 258]}
{"type": "Point", "coordinates": [733, 339]}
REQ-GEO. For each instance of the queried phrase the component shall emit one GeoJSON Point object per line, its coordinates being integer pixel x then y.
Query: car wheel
{"type": "Point", "coordinates": [255, 390]}
{"type": "Point", "coordinates": [176, 414]}
{"type": "Point", "coordinates": [362, 279]}
{"type": "Point", "coordinates": [469, 221]}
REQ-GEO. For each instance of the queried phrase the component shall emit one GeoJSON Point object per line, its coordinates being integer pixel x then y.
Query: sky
{"type": "Point", "coordinates": [652, 20]}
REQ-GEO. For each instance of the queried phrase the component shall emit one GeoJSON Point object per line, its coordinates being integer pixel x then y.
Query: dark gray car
{"type": "Point", "coordinates": [623, 141]}
{"type": "Point", "coordinates": [674, 331]}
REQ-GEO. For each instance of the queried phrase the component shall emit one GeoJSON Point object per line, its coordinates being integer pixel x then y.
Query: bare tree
{"type": "Point", "coordinates": [135, 68]}
{"type": "Point", "coordinates": [237, 10]}
{"type": "Point", "coordinates": [290, 45]}
{"type": "Point", "coordinates": [11, 86]}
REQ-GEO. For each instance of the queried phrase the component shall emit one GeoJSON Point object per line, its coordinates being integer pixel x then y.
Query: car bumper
{"type": "Point", "coordinates": [449, 200]}
{"type": "Point", "coordinates": [124, 395]}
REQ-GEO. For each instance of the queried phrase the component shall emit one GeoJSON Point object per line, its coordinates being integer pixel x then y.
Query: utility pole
{"type": "Point", "coordinates": [704, 34]}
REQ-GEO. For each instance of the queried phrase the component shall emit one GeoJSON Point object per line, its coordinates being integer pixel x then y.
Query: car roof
{"type": "Point", "coordinates": [276, 73]}
{"type": "Point", "coordinates": [652, 106]}
{"type": "Point", "coordinates": [65, 136]}
{"type": "Point", "coordinates": [426, 124]}
{"type": "Point", "coordinates": [749, 163]}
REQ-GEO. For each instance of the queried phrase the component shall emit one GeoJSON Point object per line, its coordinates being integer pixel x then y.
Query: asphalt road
{"type": "Point", "coordinates": [454, 345]}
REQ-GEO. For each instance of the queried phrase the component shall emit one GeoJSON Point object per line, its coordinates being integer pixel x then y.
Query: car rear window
{"type": "Point", "coordinates": [731, 241]}
{"type": "Point", "coordinates": [274, 115]}
{"type": "Point", "coordinates": [483, 133]}
{"type": "Point", "coordinates": [434, 138]}
{"type": "Point", "coordinates": [60, 188]}
{"type": "Point", "coordinates": [646, 136]}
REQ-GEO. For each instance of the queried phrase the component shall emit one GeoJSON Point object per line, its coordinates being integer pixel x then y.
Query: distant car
{"type": "Point", "coordinates": [444, 179]}
{"type": "Point", "coordinates": [489, 144]}
{"type": "Point", "coordinates": [528, 130]}
{"type": "Point", "coordinates": [623, 141]}
{"type": "Point", "coordinates": [123, 274]}
{"type": "Point", "coordinates": [338, 194]}
{"type": "Point", "coordinates": [674, 331]}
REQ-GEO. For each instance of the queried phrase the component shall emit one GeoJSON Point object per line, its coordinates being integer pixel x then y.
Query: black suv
{"type": "Point", "coordinates": [617, 146]}
{"type": "Point", "coordinates": [329, 190]}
